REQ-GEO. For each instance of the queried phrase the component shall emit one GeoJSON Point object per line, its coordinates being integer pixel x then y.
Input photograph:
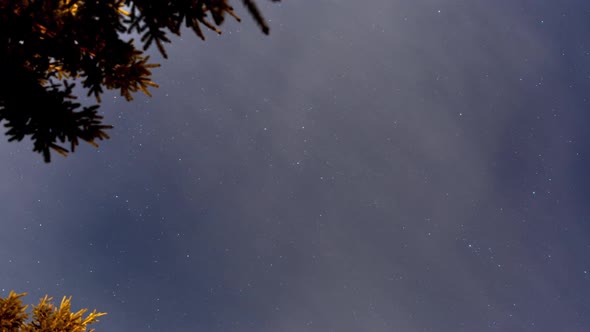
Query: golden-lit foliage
{"type": "Point", "coordinates": [12, 313]}
{"type": "Point", "coordinates": [45, 317]}
{"type": "Point", "coordinates": [46, 44]}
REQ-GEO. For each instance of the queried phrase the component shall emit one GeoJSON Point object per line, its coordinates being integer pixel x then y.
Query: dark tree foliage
{"type": "Point", "coordinates": [47, 44]}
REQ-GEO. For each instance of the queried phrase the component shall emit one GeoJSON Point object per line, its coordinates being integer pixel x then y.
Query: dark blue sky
{"type": "Point", "coordinates": [389, 166]}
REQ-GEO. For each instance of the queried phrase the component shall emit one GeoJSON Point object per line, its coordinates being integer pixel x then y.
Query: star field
{"type": "Point", "coordinates": [394, 166]}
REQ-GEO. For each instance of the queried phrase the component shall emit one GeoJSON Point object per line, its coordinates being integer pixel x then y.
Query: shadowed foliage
{"type": "Point", "coordinates": [45, 316]}
{"type": "Point", "coordinates": [45, 45]}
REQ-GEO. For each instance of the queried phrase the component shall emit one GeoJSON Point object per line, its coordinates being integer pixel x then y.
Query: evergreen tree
{"type": "Point", "coordinates": [46, 317]}
{"type": "Point", "coordinates": [46, 44]}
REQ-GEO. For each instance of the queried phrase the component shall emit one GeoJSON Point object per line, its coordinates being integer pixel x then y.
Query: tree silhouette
{"type": "Point", "coordinates": [45, 45]}
{"type": "Point", "coordinates": [45, 316]}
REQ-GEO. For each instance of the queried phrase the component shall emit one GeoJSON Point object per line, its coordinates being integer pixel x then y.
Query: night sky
{"type": "Point", "coordinates": [388, 165]}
